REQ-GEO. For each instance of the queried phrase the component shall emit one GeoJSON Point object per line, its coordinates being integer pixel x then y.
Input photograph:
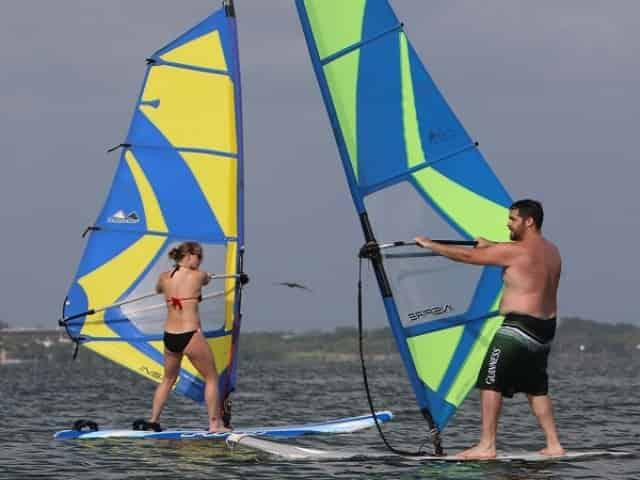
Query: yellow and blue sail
{"type": "Point", "coordinates": [180, 177]}
{"type": "Point", "coordinates": [412, 169]}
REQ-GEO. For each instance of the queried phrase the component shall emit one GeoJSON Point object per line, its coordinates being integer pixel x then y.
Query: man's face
{"type": "Point", "coordinates": [516, 225]}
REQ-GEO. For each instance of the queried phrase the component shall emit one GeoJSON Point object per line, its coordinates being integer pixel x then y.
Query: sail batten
{"type": "Point", "coordinates": [412, 169]}
{"type": "Point", "coordinates": [406, 175]}
{"type": "Point", "coordinates": [437, 325]}
{"type": "Point", "coordinates": [177, 148]}
{"type": "Point", "coordinates": [175, 235]}
{"type": "Point", "coordinates": [180, 177]}
{"type": "Point", "coordinates": [146, 338]}
{"type": "Point", "coordinates": [359, 45]}
{"type": "Point", "coordinates": [185, 66]}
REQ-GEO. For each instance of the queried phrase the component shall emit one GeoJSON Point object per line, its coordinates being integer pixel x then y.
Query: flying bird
{"type": "Point", "coordinates": [293, 285]}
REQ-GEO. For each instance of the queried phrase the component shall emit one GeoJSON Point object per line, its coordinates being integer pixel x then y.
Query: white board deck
{"type": "Point", "coordinates": [340, 425]}
{"type": "Point", "coordinates": [294, 452]}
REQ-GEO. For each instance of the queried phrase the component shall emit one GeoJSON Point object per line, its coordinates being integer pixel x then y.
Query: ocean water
{"type": "Point", "coordinates": [595, 398]}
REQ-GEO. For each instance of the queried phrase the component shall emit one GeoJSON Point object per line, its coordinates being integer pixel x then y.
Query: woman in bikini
{"type": "Point", "coordinates": [183, 335]}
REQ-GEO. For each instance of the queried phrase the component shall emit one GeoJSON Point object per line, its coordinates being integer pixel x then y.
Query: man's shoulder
{"type": "Point", "coordinates": [511, 246]}
{"type": "Point", "coordinates": [503, 253]}
{"type": "Point", "coordinates": [551, 246]}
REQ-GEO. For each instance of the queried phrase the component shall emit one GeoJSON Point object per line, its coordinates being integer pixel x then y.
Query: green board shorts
{"type": "Point", "coordinates": [516, 360]}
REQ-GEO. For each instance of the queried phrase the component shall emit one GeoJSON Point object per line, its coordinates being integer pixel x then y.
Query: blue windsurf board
{"type": "Point", "coordinates": [341, 425]}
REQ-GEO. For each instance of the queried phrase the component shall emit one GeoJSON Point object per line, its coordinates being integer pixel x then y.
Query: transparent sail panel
{"type": "Point", "coordinates": [425, 287]}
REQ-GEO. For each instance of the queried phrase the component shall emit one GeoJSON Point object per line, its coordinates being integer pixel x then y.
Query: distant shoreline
{"type": "Point", "coordinates": [340, 345]}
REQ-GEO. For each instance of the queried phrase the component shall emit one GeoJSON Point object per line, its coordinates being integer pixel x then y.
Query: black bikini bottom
{"type": "Point", "coordinates": [177, 342]}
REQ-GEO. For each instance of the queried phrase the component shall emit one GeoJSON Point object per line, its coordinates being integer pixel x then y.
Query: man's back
{"type": "Point", "coordinates": [531, 279]}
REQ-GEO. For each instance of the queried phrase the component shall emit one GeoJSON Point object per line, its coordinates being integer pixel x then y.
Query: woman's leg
{"type": "Point", "coordinates": [171, 369]}
{"type": "Point", "coordinates": [199, 353]}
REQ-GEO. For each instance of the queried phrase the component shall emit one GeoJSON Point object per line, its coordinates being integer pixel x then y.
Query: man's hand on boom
{"type": "Point", "coordinates": [483, 242]}
{"type": "Point", "coordinates": [453, 252]}
{"type": "Point", "coordinates": [424, 242]}
{"type": "Point", "coordinates": [486, 252]}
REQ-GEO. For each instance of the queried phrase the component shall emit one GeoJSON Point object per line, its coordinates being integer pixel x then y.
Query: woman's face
{"type": "Point", "coordinates": [194, 259]}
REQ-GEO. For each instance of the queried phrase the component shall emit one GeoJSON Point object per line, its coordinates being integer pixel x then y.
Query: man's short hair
{"type": "Point", "coordinates": [528, 208]}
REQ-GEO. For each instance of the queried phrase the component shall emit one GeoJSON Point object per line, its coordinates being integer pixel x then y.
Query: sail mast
{"type": "Point", "coordinates": [229, 8]}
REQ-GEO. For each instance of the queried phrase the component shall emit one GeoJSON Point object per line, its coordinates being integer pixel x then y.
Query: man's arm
{"type": "Point", "coordinates": [500, 254]}
{"type": "Point", "coordinates": [484, 243]}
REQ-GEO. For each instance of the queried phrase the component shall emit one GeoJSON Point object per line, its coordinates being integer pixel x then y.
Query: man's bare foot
{"type": "Point", "coordinates": [477, 453]}
{"type": "Point", "coordinates": [553, 451]}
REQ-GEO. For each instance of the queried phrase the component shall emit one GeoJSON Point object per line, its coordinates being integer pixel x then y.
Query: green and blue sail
{"type": "Point", "coordinates": [180, 177]}
{"type": "Point", "coordinates": [412, 169]}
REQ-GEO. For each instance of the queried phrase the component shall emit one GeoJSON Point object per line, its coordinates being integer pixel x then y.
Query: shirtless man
{"type": "Point", "coordinates": [517, 358]}
{"type": "Point", "coordinates": [183, 335]}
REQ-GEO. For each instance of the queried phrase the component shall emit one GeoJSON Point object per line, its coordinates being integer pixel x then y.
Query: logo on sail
{"type": "Point", "coordinates": [152, 373]}
{"type": "Point", "coordinates": [431, 311]}
{"type": "Point", "coordinates": [439, 136]}
{"type": "Point", "coordinates": [121, 217]}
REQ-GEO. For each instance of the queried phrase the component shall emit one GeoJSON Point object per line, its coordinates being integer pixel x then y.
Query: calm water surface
{"type": "Point", "coordinates": [596, 401]}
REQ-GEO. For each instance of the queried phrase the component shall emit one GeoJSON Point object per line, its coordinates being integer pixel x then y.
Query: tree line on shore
{"type": "Point", "coordinates": [573, 334]}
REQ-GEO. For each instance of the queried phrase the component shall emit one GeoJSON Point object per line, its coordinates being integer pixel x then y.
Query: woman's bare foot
{"type": "Point", "coordinates": [219, 430]}
{"type": "Point", "coordinates": [553, 451]}
{"type": "Point", "coordinates": [217, 427]}
{"type": "Point", "coordinates": [477, 453]}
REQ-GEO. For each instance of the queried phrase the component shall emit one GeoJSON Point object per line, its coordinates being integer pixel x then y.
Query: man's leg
{"type": "Point", "coordinates": [543, 410]}
{"type": "Point", "coordinates": [491, 403]}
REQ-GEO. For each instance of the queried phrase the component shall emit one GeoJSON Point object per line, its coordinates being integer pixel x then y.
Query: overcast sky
{"type": "Point", "coordinates": [548, 88]}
